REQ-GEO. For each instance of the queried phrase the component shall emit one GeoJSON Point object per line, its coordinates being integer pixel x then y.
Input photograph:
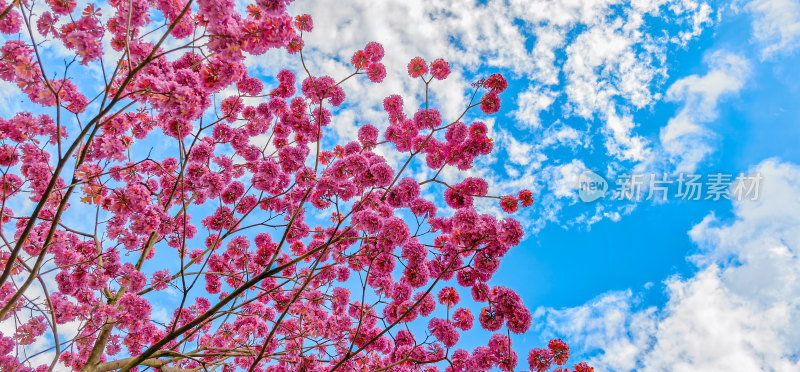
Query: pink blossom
{"type": "Point", "coordinates": [417, 67]}
{"type": "Point", "coordinates": [440, 69]}
{"type": "Point", "coordinates": [463, 319]}
{"type": "Point", "coordinates": [448, 296]}
{"type": "Point", "coordinates": [253, 202]}
{"type": "Point", "coordinates": [376, 72]}
{"type": "Point", "coordinates": [443, 331]}
{"type": "Point", "coordinates": [374, 51]}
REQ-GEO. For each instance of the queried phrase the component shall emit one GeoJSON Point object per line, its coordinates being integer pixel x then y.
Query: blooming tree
{"type": "Point", "coordinates": [223, 222]}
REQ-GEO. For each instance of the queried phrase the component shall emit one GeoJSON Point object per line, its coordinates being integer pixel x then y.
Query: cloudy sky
{"type": "Point", "coordinates": [625, 90]}
{"type": "Point", "coordinates": [622, 89]}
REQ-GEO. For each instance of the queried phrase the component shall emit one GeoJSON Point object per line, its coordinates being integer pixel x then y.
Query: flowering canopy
{"type": "Point", "coordinates": [223, 223]}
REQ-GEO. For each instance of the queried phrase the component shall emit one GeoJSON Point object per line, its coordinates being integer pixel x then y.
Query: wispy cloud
{"type": "Point", "coordinates": [740, 312]}
{"type": "Point", "coordinates": [776, 25]}
{"type": "Point", "coordinates": [686, 138]}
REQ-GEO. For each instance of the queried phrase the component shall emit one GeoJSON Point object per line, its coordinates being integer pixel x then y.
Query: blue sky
{"type": "Point", "coordinates": [652, 86]}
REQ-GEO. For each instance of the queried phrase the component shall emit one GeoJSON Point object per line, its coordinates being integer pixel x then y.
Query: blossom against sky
{"type": "Point", "coordinates": [618, 88]}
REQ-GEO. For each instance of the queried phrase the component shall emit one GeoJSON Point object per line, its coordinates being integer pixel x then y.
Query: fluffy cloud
{"type": "Point", "coordinates": [518, 152]}
{"type": "Point", "coordinates": [686, 140]}
{"type": "Point", "coordinates": [740, 312]}
{"type": "Point", "coordinates": [620, 140]}
{"type": "Point", "coordinates": [776, 25]}
{"type": "Point", "coordinates": [565, 178]}
{"type": "Point", "coordinates": [608, 322]}
{"type": "Point", "coordinates": [530, 103]}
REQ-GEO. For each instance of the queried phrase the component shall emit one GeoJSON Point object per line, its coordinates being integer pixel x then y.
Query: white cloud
{"type": "Point", "coordinates": [595, 75]}
{"type": "Point", "coordinates": [686, 139]}
{"type": "Point", "coordinates": [776, 25]}
{"type": "Point", "coordinates": [563, 135]}
{"type": "Point", "coordinates": [518, 152]}
{"type": "Point", "coordinates": [701, 17]}
{"type": "Point", "coordinates": [740, 312]}
{"type": "Point", "coordinates": [530, 103]}
{"type": "Point", "coordinates": [607, 322]}
{"type": "Point", "coordinates": [564, 178]}
{"type": "Point", "coordinates": [548, 39]}
{"type": "Point", "coordinates": [622, 142]}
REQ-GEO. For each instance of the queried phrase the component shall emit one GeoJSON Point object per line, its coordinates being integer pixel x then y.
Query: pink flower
{"type": "Point", "coordinates": [490, 103]}
{"type": "Point", "coordinates": [6, 345]}
{"type": "Point", "coordinates": [408, 190]}
{"type": "Point", "coordinates": [509, 204]}
{"type": "Point", "coordinates": [459, 360]}
{"type": "Point", "coordinates": [491, 320]}
{"type": "Point", "coordinates": [368, 134]}
{"type": "Point", "coordinates": [480, 292]}
{"type": "Point", "coordinates": [559, 350]}
{"type": "Point", "coordinates": [456, 133]}
{"type": "Point", "coordinates": [496, 83]}
{"type": "Point", "coordinates": [250, 85]}
{"type": "Point", "coordinates": [443, 331]}
{"type": "Point", "coordinates": [376, 72]}
{"type": "Point", "coordinates": [360, 60]}
{"type": "Point", "coordinates": [395, 230]}
{"type": "Point", "coordinates": [413, 250]}
{"type": "Point", "coordinates": [423, 208]}
{"type": "Point", "coordinates": [466, 277]}
{"type": "Point", "coordinates": [474, 186]}
{"type": "Point", "coordinates": [440, 69]}
{"type": "Point", "coordinates": [519, 320]}
{"type": "Point", "coordinates": [426, 304]}
{"type": "Point", "coordinates": [382, 173]}
{"type": "Point", "coordinates": [46, 24]}
{"type": "Point", "coordinates": [477, 129]}
{"type": "Point", "coordinates": [134, 280]}
{"type": "Point", "coordinates": [63, 7]}
{"type": "Point", "coordinates": [526, 197]}
{"type": "Point", "coordinates": [417, 67]}
{"type": "Point", "coordinates": [374, 51]}
{"type": "Point", "coordinates": [427, 119]}
{"type": "Point", "coordinates": [367, 221]}
{"type": "Point", "coordinates": [457, 199]}
{"type": "Point", "coordinates": [448, 296]}
{"type": "Point", "coordinates": [161, 279]}
{"type": "Point", "coordinates": [295, 45]}
{"type": "Point", "coordinates": [539, 359]}
{"type": "Point", "coordinates": [10, 24]}
{"type": "Point", "coordinates": [286, 77]}
{"type": "Point", "coordinates": [8, 156]}
{"type": "Point", "coordinates": [511, 232]}
{"type": "Point", "coordinates": [393, 105]}
{"type": "Point", "coordinates": [416, 272]}
{"type": "Point", "coordinates": [133, 310]}
{"type": "Point", "coordinates": [28, 332]}
{"type": "Point", "coordinates": [304, 22]}
{"type": "Point", "coordinates": [463, 319]}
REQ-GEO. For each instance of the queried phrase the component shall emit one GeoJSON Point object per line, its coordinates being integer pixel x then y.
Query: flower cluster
{"type": "Point", "coordinates": [557, 352]}
{"type": "Point", "coordinates": [369, 59]}
{"type": "Point", "coordinates": [191, 182]}
{"type": "Point", "coordinates": [439, 68]}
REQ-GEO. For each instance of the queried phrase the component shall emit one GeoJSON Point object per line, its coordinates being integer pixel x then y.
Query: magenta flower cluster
{"type": "Point", "coordinates": [226, 225]}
